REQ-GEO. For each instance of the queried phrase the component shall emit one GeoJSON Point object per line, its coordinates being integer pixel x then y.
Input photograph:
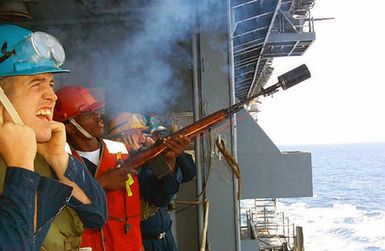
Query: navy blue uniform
{"type": "Point", "coordinates": [17, 204]}
{"type": "Point", "coordinates": [156, 230]}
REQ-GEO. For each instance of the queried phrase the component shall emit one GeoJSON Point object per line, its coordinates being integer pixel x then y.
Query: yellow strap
{"type": "Point", "coordinates": [119, 159]}
{"type": "Point", "coordinates": [129, 182]}
{"type": "Point", "coordinates": [119, 156]}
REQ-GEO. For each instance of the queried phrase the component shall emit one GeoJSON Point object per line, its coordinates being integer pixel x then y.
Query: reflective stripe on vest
{"type": "Point", "coordinates": [115, 146]}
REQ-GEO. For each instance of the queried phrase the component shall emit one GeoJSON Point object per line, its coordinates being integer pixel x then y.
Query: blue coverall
{"type": "Point", "coordinates": [159, 193]}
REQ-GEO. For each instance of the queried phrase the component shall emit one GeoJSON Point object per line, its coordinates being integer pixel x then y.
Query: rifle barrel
{"type": "Point", "coordinates": [285, 81]}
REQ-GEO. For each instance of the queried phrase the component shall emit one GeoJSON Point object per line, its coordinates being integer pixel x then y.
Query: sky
{"type": "Point", "coordinates": [344, 99]}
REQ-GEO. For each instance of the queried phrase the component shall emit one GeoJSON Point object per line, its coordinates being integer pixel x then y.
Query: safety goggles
{"type": "Point", "coordinates": [38, 47]}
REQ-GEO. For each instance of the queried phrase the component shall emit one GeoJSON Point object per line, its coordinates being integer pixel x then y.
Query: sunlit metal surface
{"type": "Point", "coordinates": [263, 30]}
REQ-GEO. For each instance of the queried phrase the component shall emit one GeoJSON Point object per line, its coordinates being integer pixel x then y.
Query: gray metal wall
{"type": "Point", "coordinates": [216, 93]}
{"type": "Point", "coordinates": [266, 172]}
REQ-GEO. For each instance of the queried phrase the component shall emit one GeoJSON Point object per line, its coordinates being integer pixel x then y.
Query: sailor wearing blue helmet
{"type": "Point", "coordinates": [36, 210]}
{"type": "Point", "coordinates": [29, 53]}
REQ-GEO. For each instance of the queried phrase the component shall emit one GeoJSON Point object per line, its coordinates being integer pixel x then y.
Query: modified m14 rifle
{"type": "Point", "coordinates": [153, 153]}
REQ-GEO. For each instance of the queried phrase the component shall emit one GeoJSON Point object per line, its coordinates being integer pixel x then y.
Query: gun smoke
{"type": "Point", "coordinates": [142, 65]}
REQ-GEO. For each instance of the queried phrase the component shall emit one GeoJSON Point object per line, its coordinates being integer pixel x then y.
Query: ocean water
{"type": "Point", "coordinates": [347, 211]}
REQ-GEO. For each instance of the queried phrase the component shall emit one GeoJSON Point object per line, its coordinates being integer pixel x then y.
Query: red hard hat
{"type": "Point", "coordinates": [72, 101]}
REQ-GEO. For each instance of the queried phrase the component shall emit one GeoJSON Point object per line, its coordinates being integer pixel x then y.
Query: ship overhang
{"type": "Point", "coordinates": [266, 171]}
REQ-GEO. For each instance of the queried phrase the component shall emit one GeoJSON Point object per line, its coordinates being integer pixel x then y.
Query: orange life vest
{"type": "Point", "coordinates": [122, 230]}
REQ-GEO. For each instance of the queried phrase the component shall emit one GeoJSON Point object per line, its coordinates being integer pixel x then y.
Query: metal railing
{"type": "Point", "coordinates": [273, 229]}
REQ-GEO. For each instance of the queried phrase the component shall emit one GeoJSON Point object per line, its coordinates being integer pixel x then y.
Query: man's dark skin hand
{"type": "Point", "coordinates": [115, 178]}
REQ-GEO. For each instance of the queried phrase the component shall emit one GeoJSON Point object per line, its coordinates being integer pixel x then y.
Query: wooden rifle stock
{"type": "Point", "coordinates": [189, 131]}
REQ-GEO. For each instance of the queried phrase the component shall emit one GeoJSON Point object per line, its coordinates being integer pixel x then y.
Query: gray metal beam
{"type": "Point", "coordinates": [254, 82]}
{"type": "Point", "coordinates": [253, 9]}
{"type": "Point", "coordinates": [243, 63]}
{"type": "Point", "coordinates": [244, 73]}
{"type": "Point", "coordinates": [248, 49]}
{"type": "Point", "coordinates": [255, 17]}
{"type": "Point", "coordinates": [247, 56]}
{"type": "Point", "coordinates": [240, 3]}
{"type": "Point", "coordinates": [254, 35]}
{"type": "Point", "coordinates": [217, 89]}
{"type": "Point", "coordinates": [292, 50]}
{"type": "Point", "coordinates": [250, 25]}
{"type": "Point", "coordinates": [291, 37]}
{"type": "Point", "coordinates": [251, 31]}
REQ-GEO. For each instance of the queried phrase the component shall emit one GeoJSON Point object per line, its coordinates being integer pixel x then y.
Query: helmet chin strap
{"type": "Point", "coordinates": [16, 118]}
{"type": "Point", "coordinates": [10, 109]}
{"type": "Point", "coordinates": [81, 129]}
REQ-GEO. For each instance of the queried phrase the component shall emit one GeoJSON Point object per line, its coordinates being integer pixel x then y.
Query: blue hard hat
{"type": "Point", "coordinates": [24, 52]}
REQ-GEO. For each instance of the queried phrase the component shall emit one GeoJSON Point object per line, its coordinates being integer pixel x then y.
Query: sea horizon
{"type": "Point", "coordinates": [283, 147]}
{"type": "Point", "coordinates": [347, 210]}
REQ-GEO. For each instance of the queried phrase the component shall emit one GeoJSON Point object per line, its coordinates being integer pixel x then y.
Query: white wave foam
{"type": "Point", "coordinates": [336, 228]}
